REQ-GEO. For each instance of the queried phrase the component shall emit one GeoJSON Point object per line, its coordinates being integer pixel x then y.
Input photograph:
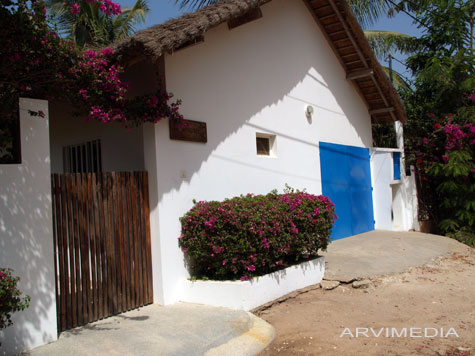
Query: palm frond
{"type": "Point", "coordinates": [124, 24]}
{"type": "Point", "coordinates": [407, 6]}
{"type": "Point", "coordinates": [368, 12]}
{"type": "Point", "coordinates": [91, 27]}
{"type": "Point", "coordinates": [399, 81]}
{"type": "Point", "coordinates": [384, 43]}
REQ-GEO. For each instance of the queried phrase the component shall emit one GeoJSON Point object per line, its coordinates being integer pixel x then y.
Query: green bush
{"type": "Point", "coordinates": [465, 236]}
{"type": "Point", "coordinates": [446, 167]}
{"type": "Point", "coordinates": [10, 297]}
{"type": "Point", "coordinates": [254, 235]}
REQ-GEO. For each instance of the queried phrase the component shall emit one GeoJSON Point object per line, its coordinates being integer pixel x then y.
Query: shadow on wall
{"type": "Point", "coordinates": [26, 238]}
{"type": "Point", "coordinates": [258, 77]}
{"type": "Point", "coordinates": [121, 147]}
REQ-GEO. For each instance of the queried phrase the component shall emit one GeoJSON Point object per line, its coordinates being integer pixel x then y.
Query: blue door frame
{"type": "Point", "coordinates": [346, 180]}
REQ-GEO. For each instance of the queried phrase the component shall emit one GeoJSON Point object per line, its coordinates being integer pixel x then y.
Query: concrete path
{"type": "Point", "coordinates": [177, 330]}
{"type": "Point", "coordinates": [384, 252]}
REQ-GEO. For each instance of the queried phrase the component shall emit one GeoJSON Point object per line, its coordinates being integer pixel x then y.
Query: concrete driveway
{"type": "Point", "coordinates": [176, 330]}
{"type": "Point", "coordinates": [384, 252]}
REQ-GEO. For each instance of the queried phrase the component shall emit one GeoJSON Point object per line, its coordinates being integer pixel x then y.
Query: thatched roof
{"type": "Point", "coordinates": [334, 18]}
{"type": "Point", "coordinates": [156, 40]}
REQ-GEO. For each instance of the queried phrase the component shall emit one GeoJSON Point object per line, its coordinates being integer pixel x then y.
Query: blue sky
{"type": "Point", "coordinates": [162, 10]}
{"type": "Point", "coordinates": [400, 23]}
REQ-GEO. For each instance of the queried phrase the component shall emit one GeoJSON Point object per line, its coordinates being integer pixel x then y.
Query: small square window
{"type": "Point", "coordinates": [265, 144]}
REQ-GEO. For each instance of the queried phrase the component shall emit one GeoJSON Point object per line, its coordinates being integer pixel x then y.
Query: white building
{"type": "Point", "coordinates": [288, 90]}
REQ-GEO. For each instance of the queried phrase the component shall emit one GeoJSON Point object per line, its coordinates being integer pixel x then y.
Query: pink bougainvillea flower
{"type": "Point", "coordinates": [108, 7]}
{"type": "Point", "coordinates": [153, 102]}
{"type": "Point", "coordinates": [436, 126]}
{"type": "Point", "coordinates": [431, 115]}
{"type": "Point", "coordinates": [75, 8]}
{"type": "Point", "coordinates": [16, 57]}
{"type": "Point", "coordinates": [106, 52]}
{"type": "Point", "coordinates": [472, 97]}
{"type": "Point", "coordinates": [83, 93]}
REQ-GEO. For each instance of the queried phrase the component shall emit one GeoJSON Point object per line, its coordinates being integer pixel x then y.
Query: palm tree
{"type": "Point", "coordinates": [89, 26]}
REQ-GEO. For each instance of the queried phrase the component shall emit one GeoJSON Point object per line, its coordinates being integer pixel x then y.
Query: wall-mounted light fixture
{"type": "Point", "coordinates": [309, 113]}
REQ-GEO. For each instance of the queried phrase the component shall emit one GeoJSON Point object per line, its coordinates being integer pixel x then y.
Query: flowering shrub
{"type": "Point", "coordinates": [36, 63]}
{"type": "Point", "coordinates": [446, 164]}
{"type": "Point", "coordinates": [254, 235]}
{"type": "Point", "coordinates": [10, 297]}
{"type": "Point", "coordinates": [106, 6]}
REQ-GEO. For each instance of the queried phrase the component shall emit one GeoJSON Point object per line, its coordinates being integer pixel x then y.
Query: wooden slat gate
{"type": "Point", "coordinates": [102, 245]}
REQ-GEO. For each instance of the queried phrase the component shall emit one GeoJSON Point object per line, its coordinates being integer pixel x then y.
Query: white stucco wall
{"type": "Point", "coordinates": [394, 202]}
{"type": "Point", "coordinates": [247, 295]}
{"type": "Point", "coordinates": [26, 237]}
{"type": "Point", "coordinates": [258, 77]}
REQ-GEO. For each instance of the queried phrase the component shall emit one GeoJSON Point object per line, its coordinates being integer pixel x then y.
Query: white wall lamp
{"type": "Point", "coordinates": [309, 113]}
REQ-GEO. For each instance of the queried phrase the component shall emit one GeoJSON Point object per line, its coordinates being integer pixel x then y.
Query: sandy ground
{"type": "Point", "coordinates": [439, 295]}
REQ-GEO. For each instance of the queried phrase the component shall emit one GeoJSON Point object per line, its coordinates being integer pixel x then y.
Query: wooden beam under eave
{"type": "Point", "coordinates": [348, 32]}
{"type": "Point", "coordinates": [324, 32]}
{"type": "Point", "coordinates": [360, 74]}
{"type": "Point", "coordinates": [381, 111]}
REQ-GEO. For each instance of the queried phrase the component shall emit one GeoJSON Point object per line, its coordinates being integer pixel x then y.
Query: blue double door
{"type": "Point", "coordinates": [346, 180]}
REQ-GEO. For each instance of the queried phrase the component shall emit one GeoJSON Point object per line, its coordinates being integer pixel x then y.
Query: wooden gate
{"type": "Point", "coordinates": [102, 245]}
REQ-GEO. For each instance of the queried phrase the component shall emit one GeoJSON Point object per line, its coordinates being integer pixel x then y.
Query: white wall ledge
{"type": "Point", "coordinates": [247, 295]}
{"type": "Point", "coordinates": [386, 149]}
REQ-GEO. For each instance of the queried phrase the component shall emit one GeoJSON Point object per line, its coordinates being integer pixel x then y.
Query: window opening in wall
{"type": "Point", "coordinates": [265, 145]}
{"type": "Point", "coordinates": [397, 165]}
{"type": "Point", "coordinates": [83, 158]}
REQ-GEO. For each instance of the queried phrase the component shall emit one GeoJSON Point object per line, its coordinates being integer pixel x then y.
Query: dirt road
{"type": "Point", "coordinates": [426, 299]}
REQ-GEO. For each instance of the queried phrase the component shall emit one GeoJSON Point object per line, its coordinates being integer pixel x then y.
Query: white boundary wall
{"type": "Point", "coordinates": [26, 237]}
{"type": "Point", "coordinates": [394, 202]}
{"type": "Point", "coordinates": [247, 295]}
